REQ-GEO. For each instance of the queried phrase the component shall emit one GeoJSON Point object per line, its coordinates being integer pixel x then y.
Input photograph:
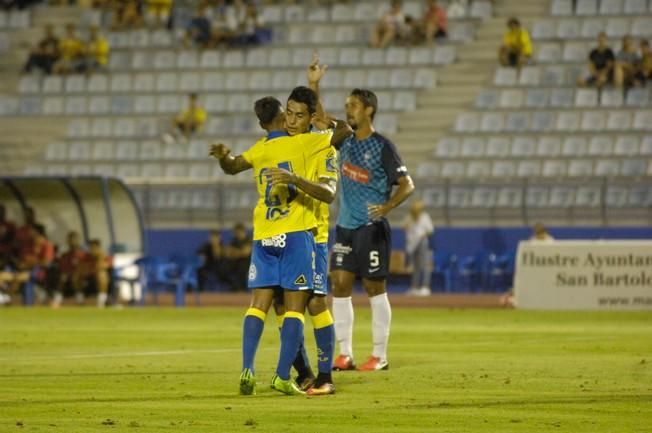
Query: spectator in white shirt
{"type": "Point", "coordinates": [391, 26]}
{"type": "Point", "coordinates": [418, 229]}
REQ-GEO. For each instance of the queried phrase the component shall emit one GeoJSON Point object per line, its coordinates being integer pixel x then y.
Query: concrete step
{"type": "Point", "coordinates": [56, 15]}
{"type": "Point", "coordinates": [521, 9]}
{"type": "Point", "coordinates": [463, 91]}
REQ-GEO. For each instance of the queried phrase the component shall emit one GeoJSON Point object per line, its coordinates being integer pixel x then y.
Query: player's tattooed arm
{"type": "Point", "coordinates": [404, 190]}
{"type": "Point", "coordinates": [230, 164]}
{"type": "Point", "coordinates": [341, 132]}
{"type": "Point", "coordinates": [324, 190]}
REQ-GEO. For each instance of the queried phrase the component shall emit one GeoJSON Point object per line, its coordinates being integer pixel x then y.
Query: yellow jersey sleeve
{"type": "Point", "coordinates": [253, 153]}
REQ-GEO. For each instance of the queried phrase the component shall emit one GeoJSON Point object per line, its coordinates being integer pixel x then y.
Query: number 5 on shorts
{"type": "Point", "coordinates": [374, 261]}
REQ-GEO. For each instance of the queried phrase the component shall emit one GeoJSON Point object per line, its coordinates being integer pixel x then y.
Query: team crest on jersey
{"type": "Point", "coordinates": [330, 165]}
{"type": "Point", "coordinates": [253, 272]}
{"type": "Point", "coordinates": [301, 280]}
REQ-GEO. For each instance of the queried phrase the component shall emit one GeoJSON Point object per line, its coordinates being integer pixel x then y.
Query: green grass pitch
{"type": "Point", "coordinates": [165, 370]}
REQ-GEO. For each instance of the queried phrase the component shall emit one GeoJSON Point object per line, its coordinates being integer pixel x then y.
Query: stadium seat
{"type": "Point", "coordinates": [404, 101]}
{"type": "Point", "coordinates": [173, 151]}
{"type": "Point", "coordinates": [646, 145]}
{"type": "Point", "coordinates": [124, 127]}
{"type": "Point", "coordinates": [29, 84]}
{"type": "Point", "coordinates": [397, 56]}
{"type": "Point", "coordinates": [548, 146]}
{"type": "Point", "coordinates": [354, 78]}
{"type": "Point", "coordinates": [102, 150]}
{"type": "Point", "coordinates": [618, 120]}
{"type": "Point", "coordinates": [611, 7]}
{"type": "Point", "coordinates": [523, 146]}
{"type": "Point", "coordinates": [626, 145]}
{"type": "Point", "coordinates": [635, 7]}
{"type": "Point", "coordinates": [236, 81]}
{"type": "Point", "coordinates": [424, 78]}
{"type": "Point", "coordinates": [122, 105]}
{"type": "Point", "coordinates": [428, 169]}
{"type": "Point", "coordinates": [121, 83]}
{"type": "Point", "coordinates": [165, 59]}
{"type": "Point", "coordinates": [478, 169]}
{"type": "Point", "coordinates": [65, 170]}
{"type": "Point", "coordinates": [543, 29]}
{"type": "Point", "coordinates": [616, 196]}
{"type": "Point", "coordinates": [145, 104]}
{"type": "Point", "coordinates": [461, 31]}
{"type": "Point", "coordinates": [150, 150]}
{"type": "Point", "coordinates": [574, 146]}
{"type": "Point", "coordinates": [586, 98]}
{"type": "Point", "coordinates": [618, 27]}
{"type": "Point", "coordinates": [505, 77]}
{"type": "Point", "coordinates": [528, 169]}
{"type": "Point", "coordinates": [580, 168]}
{"type": "Point", "coordinates": [233, 59]}
{"type": "Point", "coordinates": [160, 38]}
{"type": "Point", "coordinates": [260, 80]}
{"type": "Point", "coordinates": [126, 151]}
{"type": "Point", "coordinates": [611, 98]}
{"type": "Point", "coordinates": [30, 106]}
{"type": "Point", "coordinates": [238, 103]}
{"type": "Point", "coordinates": [420, 56]}
{"type": "Point", "coordinates": [56, 151]}
{"type": "Point", "coordinates": [561, 98]}
{"type": "Point", "coordinates": [542, 121]}
{"type": "Point", "coordinates": [52, 84]}
{"type": "Point", "coordinates": [151, 170]}
{"type": "Point", "coordinates": [586, 7]}
{"type": "Point", "coordinates": [529, 76]}
{"type": "Point", "coordinates": [561, 197]}
{"type": "Point", "coordinates": [606, 167]}
{"type": "Point", "coordinates": [503, 169]}
{"type": "Point", "coordinates": [467, 122]}
{"type": "Point", "coordinates": [509, 197]}
{"type": "Point", "coordinates": [317, 35]}
{"type": "Point", "coordinates": [600, 145]}
{"type": "Point", "coordinates": [536, 98]}
{"type": "Point", "coordinates": [554, 168]}
{"type": "Point", "coordinates": [366, 11]}
{"type": "Point", "coordinates": [78, 128]}
{"type": "Point", "coordinates": [53, 106]}
{"type": "Point", "coordinates": [472, 147]}
{"type": "Point", "coordinates": [75, 84]}
{"type": "Point", "coordinates": [444, 55]}
{"type": "Point", "coordinates": [594, 121]}
{"type": "Point", "coordinates": [79, 151]}
{"type": "Point", "coordinates": [19, 19]}
{"type": "Point", "coordinates": [168, 104]}
{"type": "Point", "coordinates": [210, 60]}
{"type": "Point", "coordinates": [537, 196]}
{"type": "Point", "coordinates": [373, 57]}
{"type": "Point", "coordinates": [75, 105]}
{"type": "Point", "coordinates": [498, 147]}
{"type": "Point", "coordinates": [147, 127]}
{"type": "Point", "coordinates": [568, 121]}
{"type": "Point", "coordinates": [139, 39]}
{"type": "Point", "coordinates": [189, 82]}
{"type": "Point", "coordinates": [166, 82]}
{"type": "Point", "coordinates": [561, 7]}
{"type": "Point", "coordinates": [492, 122]}
{"type": "Point", "coordinates": [459, 196]}
{"type": "Point", "coordinates": [568, 29]}
{"type": "Point", "coordinates": [377, 78]}
{"type": "Point", "coordinates": [643, 120]}
{"type": "Point", "coordinates": [448, 147]}
{"type": "Point", "coordinates": [452, 169]}
{"type": "Point", "coordinates": [511, 98]}
{"type": "Point", "coordinates": [186, 60]}
{"type": "Point", "coordinates": [349, 56]}
{"type": "Point", "coordinates": [637, 97]}
{"type": "Point", "coordinates": [633, 167]}
{"type": "Point", "coordinates": [548, 53]}
{"type": "Point", "coordinates": [434, 196]}
{"type": "Point", "coordinates": [401, 78]}
{"type": "Point", "coordinates": [518, 121]}
{"type": "Point", "coordinates": [487, 98]}
{"type": "Point", "coordinates": [640, 196]}
{"type": "Point", "coordinates": [574, 51]}
{"type": "Point", "coordinates": [591, 27]}
{"type": "Point", "coordinates": [211, 82]}
{"type": "Point", "coordinates": [106, 170]}
{"type": "Point", "coordinates": [141, 60]}
{"type": "Point", "coordinates": [8, 106]}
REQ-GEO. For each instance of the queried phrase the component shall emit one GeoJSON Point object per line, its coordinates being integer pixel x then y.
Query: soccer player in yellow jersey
{"type": "Point", "coordinates": [283, 235]}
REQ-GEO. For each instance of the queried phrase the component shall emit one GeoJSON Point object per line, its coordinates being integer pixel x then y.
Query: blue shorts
{"type": "Point", "coordinates": [284, 260]}
{"type": "Point", "coordinates": [321, 269]}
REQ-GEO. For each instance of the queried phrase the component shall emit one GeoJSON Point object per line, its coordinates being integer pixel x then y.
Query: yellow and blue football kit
{"type": "Point", "coordinates": [284, 216]}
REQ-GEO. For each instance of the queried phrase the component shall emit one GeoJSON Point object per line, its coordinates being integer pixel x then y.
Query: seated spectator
{"type": "Point", "coordinates": [97, 52]}
{"type": "Point", "coordinates": [435, 22]}
{"type": "Point", "coordinates": [46, 54]}
{"type": "Point", "coordinates": [214, 262]}
{"type": "Point", "coordinates": [224, 23]}
{"type": "Point", "coordinates": [127, 14]}
{"type": "Point", "coordinates": [516, 49]}
{"type": "Point", "coordinates": [158, 12]}
{"type": "Point", "coordinates": [601, 65]}
{"type": "Point", "coordinates": [644, 71]}
{"type": "Point", "coordinates": [199, 28]}
{"type": "Point", "coordinates": [627, 63]}
{"type": "Point", "coordinates": [187, 122]}
{"type": "Point", "coordinates": [7, 233]}
{"type": "Point", "coordinates": [540, 233]}
{"type": "Point", "coordinates": [390, 27]}
{"type": "Point", "coordinates": [239, 254]}
{"type": "Point", "coordinates": [72, 53]}
{"type": "Point", "coordinates": [69, 268]}
{"type": "Point", "coordinates": [250, 27]}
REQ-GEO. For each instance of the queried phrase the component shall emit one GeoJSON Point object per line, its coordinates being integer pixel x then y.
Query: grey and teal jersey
{"type": "Point", "coordinates": [368, 170]}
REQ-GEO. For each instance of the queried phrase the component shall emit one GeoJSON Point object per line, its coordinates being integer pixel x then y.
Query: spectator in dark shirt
{"type": "Point", "coordinates": [644, 71]}
{"type": "Point", "coordinates": [45, 55]}
{"type": "Point", "coordinates": [199, 28]}
{"type": "Point", "coordinates": [214, 265]}
{"type": "Point", "coordinates": [601, 65]}
{"type": "Point", "coordinates": [627, 62]}
{"type": "Point", "coordinates": [7, 232]}
{"type": "Point", "coordinates": [239, 254]}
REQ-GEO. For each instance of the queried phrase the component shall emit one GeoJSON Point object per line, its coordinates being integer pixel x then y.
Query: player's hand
{"type": "Point", "coordinates": [219, 150]}
{"type": "Point", "coordinates": [279, 176]}
{"type": "Point", "coordinates": [377, 211]}
{"type": "Point", "coordinates": [316, 71]}
{"type": "Point", "coordinates": [322, 123]}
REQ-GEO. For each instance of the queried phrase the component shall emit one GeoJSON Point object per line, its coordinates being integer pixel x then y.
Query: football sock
{"type": "Point", "coordinates": [381, 318]}
{"type": "Point", "coordinates": [325, 339]}
{"type": "Point", "coordinates": [291, 335]}
{"type": "Point", "coordinates": [343, 315]}
{"type": "Point", "coordinates": [252, 330]}
{"type": "Point", "coordinates": [301, 363]}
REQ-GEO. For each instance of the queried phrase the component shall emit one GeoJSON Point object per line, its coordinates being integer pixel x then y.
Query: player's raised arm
{"type": "Point", "coordinates": [230, 164]}
{"type": "Point", "coordinates": [315, 73]}
{"type": "Point", "coordinates": [324, 190]}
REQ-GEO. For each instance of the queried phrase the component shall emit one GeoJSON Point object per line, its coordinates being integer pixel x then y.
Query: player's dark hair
{"type": "Point", "coordinates": [267, 109]}
{"type": "Point", "coordinates": [513, 21]}
{"type": "Point", "coordinates": [95, 242]}
{"type": "Point", "coordinates": [368, 99]}
{"type": "Point", "coordinates": [305, 95]}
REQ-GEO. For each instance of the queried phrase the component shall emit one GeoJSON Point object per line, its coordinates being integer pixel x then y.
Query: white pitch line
{"type": "Point", "coordinates": [119, 354]}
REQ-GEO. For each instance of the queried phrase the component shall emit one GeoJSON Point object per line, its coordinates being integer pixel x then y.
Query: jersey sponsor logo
{"type": "Point", "coordinates": [338, 248]}
{"type": "Point", "coordinates": [355, 173]}
{"type": "Point", "coordinates": [318, 280]}
{"type": "Point", "coordinates": [339, 259]}
{"type": "Point", "coordinates": [278, 241]}
{"type": "Point", "coordinates": [301, 280]}
{"type": "Point", "coordinates": [253, 272]}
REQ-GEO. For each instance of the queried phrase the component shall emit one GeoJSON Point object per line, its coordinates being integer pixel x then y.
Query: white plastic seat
{"type": "Point", "coordinates": [373, 56]}
{"type": "Point", "coordinates": [616, 196]}
{"type": "Point", "coordinates": [498, 147]}
{"type": "Point", "coordinates": [125, 127]}
{"type": "Point", "coordinates": [139, 38]}
{"type": "Point", "coordinates": [542, 121]}
{"type": "Point", "coordinates": [397, 56]}
{"type": "Point", "coordinates": [401, 78]}
{"type": "Point", "coordinates": [511, 98]}
{"type": "Point", "coordinates": [168, 104]}
{"type": "Point", "coordinates": [150, 150]}
{"type": "Point", "coordinates": [637, 97]}
{"type": "Point", "coordinates": [611, 7]}
{"type": "Point", "coordinates": [452, 169]}
{"type": "Point", "coordinates": [75, 105]}
{"type": "Point", "coordinates": [238, 103]}
{"type": "Point", "coordinates": [518, 121]}
{"type": "Point", "coordinates": [121, 83]}
{"type": "Point", "coordinates": [444, 55]}
{"type": "Point", "coordinates": [428, 169]}
{"type": "Point", "coordinates": [478, 169]}
{"type": "Point", "coordinates": [561, 98]}
{"type": "Point", "coordinates": [141, 60]}
{"type": "Point", "coordinates": [30, 106]}
{"type": "Point", "coordinates": [633, 167]}
{"type": "Point", "coordinates": [349, 56]}
{"type": "Point", "coordinates": [404, 101]}
{"type": "Point", "coordinates": [421, 56]}
{"type": "Point", "coordinates": [529, 76]}
{"type": "Point", "coordinates": [147, 127]}
{"type": "Point", "coordinates": [144, 82]}
{"type": "Point", "coordinates": [56, 151]}
{"type": "Point", "coordinates": [568, 121]}
{"type": "Point", "coordinates": [617, 27]}
{"type": "Point", "coordinates": [553, 76]}
{"type": "Point", "coordinates": [594, 121]}
{"type": "Point", "coordinates": [322, 34]}
{"type": "Point", "coordinates": [354, 78]}
{"type": "Point", "coordinates": [236, 81]}
{"type": "Point", "coordinates": [574, 146]}
{"type": "Point", "coordinates": [165, 59]}
{"type": "Point", "coordinates": [210, 60]}
{"type": "Point", "coordinates": [189, 82]}
{"type": "Point", "coordinates": [487, 98]}
{"type": "Point", "coordinates": [646, 145]}
{"type": "Point", "coordinates": [78, 128]}
{"type": "Point", "coordinates": [212, 81]}
{"type": "Point", "coordinates": [75, 84]}
{"type": "Point", "coordinates": [448, 147]}
{"type": "Point", "coordinates": [561, 196]}
{"type": "Point", "coordinates": [586, 7]}
{"type": "Point", "coordinates": [102, 150]}
{"type": "Point", "coordinates": [459, 196]}
{"type": "Point", "coordinates": [145, 104]}
{"type": "Point", "coordinates": [635, 7]}
{"type": "Point", "coordinates": [528, 169]}
{"type": "Point", "coordinates": [505, 77]}
{"type": "Point", "coordinates": [600, 145]}
{"type": "Point", "coordinates": [101, 128]}
{"type": "Point", "coordinates": [619, 120]}
{"type": "Point", "coordinates": [186, 60]}
{"type": "Point", "coordinates": [643, 120]}
{"type": "Point", "coordinates": [434, 196]}
{"type": "Point", "coordinates": [626, 145]}
{"type": "Point", "coordinates": [548, 146]}
{"type": "Point", "coordinates": [580, 168]}
{"type": "Point", "coordinates": [472, 147]}
{"type": "Point", "coordinates": [260, 80]}
{"type": "Point", "coordinates": [29, 84]}
{"type": "Point", "coordinates": [574, 51]}
{"type": "Point", "coordinates": [503, 169]}
{"type": "Point", "coordinates": [611, 98]}
{"type": "Point", "coordinates": [523, 146]}
{"type": "Point", "coordinates": [166, 82]}
{"type": "Point", "coordinates": [607, 167]}
{"type": "Point", "coordinates": [554, 168]}
{"type": "Point", "coordinates": [160, 38]}
{"type": "Point", "coordinates": [536, 98]}
{"type": "Point", "coordinates": [424, 78]}
{"type": "Point", "coordinates": [491, 122]}
{"type": "Point", "coordinates": [52, 84]}
{"type": "Point", "coordinates": [122, 105]}
{"type": "Point", "coordinates": [467, 122]}
{"type": "Point", "coordinates": [233, 59]}
{"type": "Point", "coordinates": [126, 151]}
{"type": "Point", "coordinates": [509, 197]}
{"type": "Point", "coordinates": [592, 27]}
{"type": "Point", "coordinates": [53, 106]}
{"type": "Point", "coordinates": [377, 78]}
{"type": "Point", "coordinates": [568, 29]}
{"type": "Point", "coordinates": [543, 29]}
{"type": "Point", "coordinates": [586, 97]}
{"type": "Point", "coordinates": [548, 53]}
{"type": "Point", "coordinates": [151, 170]}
